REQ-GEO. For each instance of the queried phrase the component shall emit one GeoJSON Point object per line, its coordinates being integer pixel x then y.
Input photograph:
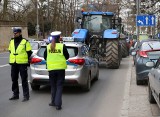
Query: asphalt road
{"type": "Point", "coordinates": [105, 98]}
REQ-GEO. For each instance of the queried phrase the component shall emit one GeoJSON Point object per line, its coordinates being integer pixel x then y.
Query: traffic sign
{"type": "Point", "coordinates": [146, 20]}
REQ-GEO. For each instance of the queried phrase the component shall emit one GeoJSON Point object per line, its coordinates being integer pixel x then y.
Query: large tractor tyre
{"type": "Point", "coordinates": [120, 51]}
{"type": "Point", "coordinates": [124, 49]}
{"type": "Point", "coordinates": [112, 54]}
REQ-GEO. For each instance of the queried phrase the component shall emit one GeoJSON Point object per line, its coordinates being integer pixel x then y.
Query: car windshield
{"type": "Point", "coordinates": [34, 45]}
{"type": "Point", "coordinates": [152, 45]}
{"type": "Point", "coordinates": [97, 23]}
{"type": "Point", "coordinates": [73, 51]}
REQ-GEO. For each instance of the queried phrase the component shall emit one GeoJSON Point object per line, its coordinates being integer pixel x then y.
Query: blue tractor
{"type": "Point", "coordinates": [101, 31]}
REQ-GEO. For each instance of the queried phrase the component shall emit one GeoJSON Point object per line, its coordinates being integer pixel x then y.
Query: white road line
{"type": "Point", "coordinates": [4, 57]}
{"type": "Point", "coordinates": [4, 65]}
{"type": "Point", "coordinates": [4, 52]}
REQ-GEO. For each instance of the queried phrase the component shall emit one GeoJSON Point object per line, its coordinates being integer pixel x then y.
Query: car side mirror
{"type": "Point", "coordinates": [150, 64]}
{"type": "Point", "coordinates": [133, 53]}
{"type": "Point", "coordinates": [78, 19]}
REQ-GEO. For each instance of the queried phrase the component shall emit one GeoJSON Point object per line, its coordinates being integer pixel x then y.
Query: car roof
{"type": "Point", "coordinates": [72, 44]}
{"type": "Point", "coordinates": [37, 41]}
{"type": "Point", "coordinates": [76, 44]}
{"type": "Point", "coordinates": [147, 40]}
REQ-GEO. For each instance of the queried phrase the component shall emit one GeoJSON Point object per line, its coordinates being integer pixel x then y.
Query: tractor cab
{"type": "Point", "coordinates": [97, 22]}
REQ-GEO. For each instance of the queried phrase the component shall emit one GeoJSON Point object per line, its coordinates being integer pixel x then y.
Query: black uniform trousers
{"type": "Point", "coordinates": [56, 78]}
{"type": "Point", "coordinates": [15, 70]}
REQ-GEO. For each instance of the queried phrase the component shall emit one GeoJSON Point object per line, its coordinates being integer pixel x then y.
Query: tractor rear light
{"type": "Point", "coordinates": [114, 32]}
{"type": "Point", "coordinates": [35, 60]}
{"type": "Point", "coordinates": [79, 61]}
{"type": "Point", "coordinates": [76, 32]}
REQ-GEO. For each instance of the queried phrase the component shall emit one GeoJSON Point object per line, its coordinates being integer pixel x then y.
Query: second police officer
{"type": "Point", "coordinates": [20, 52]}
{"type": "Point", "coordinates": [56, 55]}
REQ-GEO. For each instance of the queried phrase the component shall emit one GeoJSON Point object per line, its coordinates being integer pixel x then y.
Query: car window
{"type": "Point", "coordinates": [40, 52]}
{"type": "Point", "coordinates": [34, 45]}
{"type": "Point", "coordinates": [87, 49]}
{"type": "Point", "coordinates": [152, 45]}
{"type": "Point", "coordinates": [73, 51]}
{"type": "Point", "coordinates": [157, 65]}
{"type": "Point", "coordinates": [84, 50]}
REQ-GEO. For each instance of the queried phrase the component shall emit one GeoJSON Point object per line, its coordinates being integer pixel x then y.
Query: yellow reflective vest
{"type": "Point", "coordinates": [19, 55]}
{"type": "Point", "coordinates": [55, 59]}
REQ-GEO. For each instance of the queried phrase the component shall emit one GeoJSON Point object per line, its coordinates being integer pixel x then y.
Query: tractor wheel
{"type": "Point", "coordinates": [112, 54]}
{"type": "Point", "coordinates": [124, 49]}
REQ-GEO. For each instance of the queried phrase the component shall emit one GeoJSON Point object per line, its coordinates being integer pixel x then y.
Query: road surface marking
{"type": "Point", "coordinates": [4, 52]}
{"type": "Point", "coordinates": [4, 57]}
{"type": "Point", "coordinates": [4, 65]}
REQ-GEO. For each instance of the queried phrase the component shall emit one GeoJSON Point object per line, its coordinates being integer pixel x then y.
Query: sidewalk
{"type": "Point", "coordinates": [139, 105]}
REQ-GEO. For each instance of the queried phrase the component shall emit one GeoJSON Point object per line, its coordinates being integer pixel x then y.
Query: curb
{"type": "Point", "coordinates": [125, 105]}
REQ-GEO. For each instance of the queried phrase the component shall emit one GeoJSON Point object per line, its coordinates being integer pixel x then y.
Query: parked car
{"type": "Point", "coordinates": [81, 68]}
{"type": "Point", "coordinates": [36, 45]}
{"type": "Point", "coordinates": [154, 82]}
{"type": "Point", "coordinates": [31, 39]}
{"type": "Point", "coordinates": [141, 57]}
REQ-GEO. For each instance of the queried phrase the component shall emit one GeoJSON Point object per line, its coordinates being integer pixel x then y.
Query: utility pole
{"type": "Point", "coordinates": [138, 12]}
{"type": "Point", "coordinates": [37, 27]}
{"type": "Point", "coordinates": [87, 5]}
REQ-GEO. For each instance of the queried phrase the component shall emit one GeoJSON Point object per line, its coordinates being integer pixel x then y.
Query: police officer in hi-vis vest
{"type": "Point", "coordinates": [20, 52]}
{"type": "Point", "coordinates": [56, 55]}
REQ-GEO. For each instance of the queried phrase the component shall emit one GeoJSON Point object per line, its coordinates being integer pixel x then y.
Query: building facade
{"type": "Point", "coordinates": [6, 32]}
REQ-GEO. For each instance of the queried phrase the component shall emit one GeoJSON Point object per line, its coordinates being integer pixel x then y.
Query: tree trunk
{"type": "Point", "coordinates": [5, 9]}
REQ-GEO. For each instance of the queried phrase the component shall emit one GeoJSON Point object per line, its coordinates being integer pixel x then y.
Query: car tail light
{"type": "Point", "coordinates": [77, 61]}
{"type": "Point", "coordinates": [35, 60]}
{"type": "Point", "coordinates": [76, 32]}
{"type": "Point", "coordinates": [143, 54]}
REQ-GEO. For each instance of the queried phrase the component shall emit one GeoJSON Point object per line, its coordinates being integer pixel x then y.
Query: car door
{"type": "Point", "coordinates": [136, 57]}
{"type": "Point", "coordinates": [93, 61]}
{"type": "Point", "coordinates": [155, 80]}
{"type": "Point", "coordinates": [88, 60]}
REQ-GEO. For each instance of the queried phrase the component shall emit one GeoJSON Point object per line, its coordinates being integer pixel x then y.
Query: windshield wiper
{"type": "Point", "coordinates": [150, 46]}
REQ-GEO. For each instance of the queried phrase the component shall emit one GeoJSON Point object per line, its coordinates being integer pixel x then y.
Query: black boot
{"type": "Point", "coordinates": [58, 108]}
{"type": "Point", "coordinates": [14, 97]}
{"type": "Point", "coordinates": [25, 99]}
{"type": "Point", "coordinates": [51, 104]}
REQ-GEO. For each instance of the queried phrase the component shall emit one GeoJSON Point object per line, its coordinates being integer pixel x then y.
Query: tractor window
{"type": "Point", "coordinates": [96, 23]}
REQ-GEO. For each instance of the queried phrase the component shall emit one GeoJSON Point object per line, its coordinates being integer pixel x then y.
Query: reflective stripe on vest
{"type": "Point", "coordinates": [19, 55]}
{"type": "Point", "coordinates": [56, 59]}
